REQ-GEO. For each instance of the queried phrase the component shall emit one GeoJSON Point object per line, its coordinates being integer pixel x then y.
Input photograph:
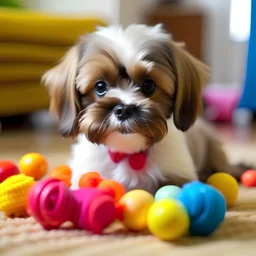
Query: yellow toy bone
{"type": "Point", "coordinates": [13, 195]}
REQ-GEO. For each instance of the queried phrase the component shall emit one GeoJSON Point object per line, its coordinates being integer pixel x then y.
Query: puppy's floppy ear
{"type": "Point", "coordinates": [64, 100]}
{"type": "Point", "coordinates": [191, 75]}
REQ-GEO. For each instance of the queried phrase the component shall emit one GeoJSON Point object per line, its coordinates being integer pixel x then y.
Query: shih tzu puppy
{"type": "Point", "coordinates": [132, 98]}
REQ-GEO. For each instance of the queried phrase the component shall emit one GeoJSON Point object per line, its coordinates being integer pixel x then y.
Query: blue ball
{"type": "Point", "coordinates": [206, 207]}
{"type": "Point", "coordinates": [167, 192]}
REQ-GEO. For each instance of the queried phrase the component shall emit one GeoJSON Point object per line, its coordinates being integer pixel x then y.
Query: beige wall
{"type": "Point", "coordinates": [131, 11]}
{"type": "Point", "coordinates": [108, 9]}
{"type": "Point", "coordinates": [122, 12]}
{"type": "Point", "coordinates": [225, 57]}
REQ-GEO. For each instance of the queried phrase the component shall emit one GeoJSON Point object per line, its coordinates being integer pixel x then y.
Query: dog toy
{"type": "Point", "coordinates": [89, 180]}
{"type": "Point", "coordinates": [135, 205]}
{"type": "Point", "coordinates": [226, 184]}
{"type": "Point", "coordinates": [197, 208]}
{"type": "Point", "coordinates": [33, 165]}
{"type": "Point", "coordinates": [52, 203]}
{"type": "Point", "coordinates": [248, 178]}
{"type": "Point", "coordinates": [63, 173]}
{"type": "Point", "coordinates": [168, 219]}
{"type": "Point", "coordinates": [13, 194]}
{"type": "Point", "coordinates": [206, 207]}
{"type": "Point", "coordinates": [7, 169]}
{"type": "Point", "coordinates": [167, 192]}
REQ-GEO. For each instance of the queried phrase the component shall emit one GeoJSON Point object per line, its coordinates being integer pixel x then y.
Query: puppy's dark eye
{"type": "Point", "coordinates": [100, 88]}
{"type": "Point", "coordinates": [148, 87]}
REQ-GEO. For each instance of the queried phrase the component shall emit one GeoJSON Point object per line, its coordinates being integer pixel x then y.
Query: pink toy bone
{"type": "Point", "coordinates": [52, 203]}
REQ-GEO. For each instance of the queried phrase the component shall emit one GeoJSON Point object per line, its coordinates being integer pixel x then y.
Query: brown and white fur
{"type": "Point", "coordinates": [131, 62]}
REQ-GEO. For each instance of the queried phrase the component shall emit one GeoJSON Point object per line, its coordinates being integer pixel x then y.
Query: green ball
{"type": "Point", "coordinates": [167, 192]}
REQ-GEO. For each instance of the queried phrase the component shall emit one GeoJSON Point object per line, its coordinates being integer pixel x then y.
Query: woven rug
{"type": "Point", "coordinates": [236, 236]}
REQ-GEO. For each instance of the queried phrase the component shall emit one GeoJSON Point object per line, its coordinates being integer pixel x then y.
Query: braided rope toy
{"type": "Point", "coordinates": [13, 195]}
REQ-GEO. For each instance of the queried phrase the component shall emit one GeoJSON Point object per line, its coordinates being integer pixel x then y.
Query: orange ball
{"type": "Point", "coordinates": [62, 177]}
{"type": "Point", "coordinates": [63, 173]}
{"type": "Point", "coordinates": [61, 169]}
{"type": "Point", "coordinates": [89, 180]}
{"type": "Point", "coordinates": [114, 185]}
{"type": "Point", "coordinates": [33, 165]}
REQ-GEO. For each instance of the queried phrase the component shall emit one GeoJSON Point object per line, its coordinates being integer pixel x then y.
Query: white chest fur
{"type": "Point", "coordinates": [168, 157]}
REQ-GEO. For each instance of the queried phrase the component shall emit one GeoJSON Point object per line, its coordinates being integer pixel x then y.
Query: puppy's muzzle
{"type": "Point", "coordinates": [124, 112]}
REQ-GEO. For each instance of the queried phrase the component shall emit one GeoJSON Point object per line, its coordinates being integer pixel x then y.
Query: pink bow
{"type": "Point", "coordinates": [137, 161]}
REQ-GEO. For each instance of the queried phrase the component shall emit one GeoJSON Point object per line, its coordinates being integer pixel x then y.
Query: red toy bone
{"type": "Point", "coordinates": [52, 203]}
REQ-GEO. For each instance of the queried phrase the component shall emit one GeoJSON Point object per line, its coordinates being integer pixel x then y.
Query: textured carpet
{"type": "Point", "coordinates": [236, 236]}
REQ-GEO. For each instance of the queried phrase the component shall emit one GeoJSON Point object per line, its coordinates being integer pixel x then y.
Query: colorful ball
{"type": "Point", "coordinates": [114, 185]}
{"type": "Point", "coordinates": [135, 205]}
{"type": "Point", "coordinates": [61, 169]}
{"type": "Point", "coordinates": [226, 184]}
{"type": "Point", "coordinates": [62, 173]}
{"type": "Point", "coordinates": [168, 219]}
{"type": "Point", "coordinates": [249, 178]}
{"type": "Point", "coordinates": [206, 207]}
{"type": "Point", "coordinates": [33, 165]}
{"type": "Point", "coordinates": [62, 177]}
{"type": "Point", "coordinates": [89, 180]}
{"type": "Point", "coordinates": [167, 192]}
{"type": "Point", "coordinates": [7, 169]}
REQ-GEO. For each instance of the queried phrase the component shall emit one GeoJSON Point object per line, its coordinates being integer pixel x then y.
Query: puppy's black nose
{"type": "Point", "coordinates": [124, 112]}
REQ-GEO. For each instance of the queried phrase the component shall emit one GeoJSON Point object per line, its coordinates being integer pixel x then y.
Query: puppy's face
{"type": "Point", "coordinates": [119, 87]}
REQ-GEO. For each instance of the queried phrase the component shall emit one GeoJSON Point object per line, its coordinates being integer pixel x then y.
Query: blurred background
{"type": "Point", "coordinates": [34, 34]}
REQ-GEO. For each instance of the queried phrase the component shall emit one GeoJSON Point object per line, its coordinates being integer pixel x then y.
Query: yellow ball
{"type": "Point", "coordinates": [168, 219]}
{"type": "Point", "coordinates": [226, 184]}
{"type": "Point", "coordinates": [136, 204]}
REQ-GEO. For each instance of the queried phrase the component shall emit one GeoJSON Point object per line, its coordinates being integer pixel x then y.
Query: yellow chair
{"type": "Point", "coordinates": [30, 43]}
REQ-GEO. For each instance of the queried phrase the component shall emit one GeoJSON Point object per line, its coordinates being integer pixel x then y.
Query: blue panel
{"type": "Point", "coordinates": [248, 99]}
